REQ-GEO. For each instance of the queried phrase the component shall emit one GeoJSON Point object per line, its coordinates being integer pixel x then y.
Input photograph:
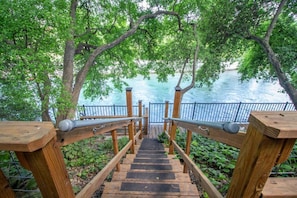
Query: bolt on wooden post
{"type": "Point", "coordinates": [269, 141]}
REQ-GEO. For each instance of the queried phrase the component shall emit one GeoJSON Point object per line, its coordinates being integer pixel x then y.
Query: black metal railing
{"type": "Point", "coordinates": [218, 112]}
{"type": "Point", "coordinates": [105, 110]}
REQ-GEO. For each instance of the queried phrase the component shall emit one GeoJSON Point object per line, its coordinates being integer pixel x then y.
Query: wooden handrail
{"type": "Point", "coordinates": [206, 184]}
{"type": "Point", "coordinates": [35, 143]}
{"type": "Point", "coordinates": [37, 146]}
{"type": "Point", "coordinates": [269, 140]}
{"type": "Point", "coordinates": [81, 133]}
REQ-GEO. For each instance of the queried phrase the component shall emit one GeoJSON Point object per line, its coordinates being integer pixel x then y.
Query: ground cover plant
{"type": "Point", "coordinates": [218, 160]}
{"type": "Point", "coordinates": [83, 159]}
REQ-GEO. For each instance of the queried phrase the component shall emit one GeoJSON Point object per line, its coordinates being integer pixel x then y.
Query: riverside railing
{"type": "Point", "coordinates": [218, 112]}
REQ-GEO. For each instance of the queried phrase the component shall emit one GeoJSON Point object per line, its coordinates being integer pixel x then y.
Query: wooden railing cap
{"type": "Point", "coordinates": [25, 136]}
{"type": "Point", "coordinates": [275, 124]}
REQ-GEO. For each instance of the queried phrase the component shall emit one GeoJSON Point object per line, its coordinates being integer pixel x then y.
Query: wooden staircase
{"type": "Point", "coordinates": [150, 173]}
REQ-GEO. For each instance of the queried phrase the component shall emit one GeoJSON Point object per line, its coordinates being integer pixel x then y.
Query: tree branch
{"type": "Point", "coordinates": [182, 72]}
{"type": "Point", "coordinates": [83, 72]}
{"type": "Point", "coordinates": [194, 66]}
{"type": "Point", "coordinates": [274, 20]}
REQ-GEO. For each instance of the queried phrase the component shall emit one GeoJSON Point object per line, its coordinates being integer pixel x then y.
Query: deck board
{"type": "Point", "coordinates": [155, 130]}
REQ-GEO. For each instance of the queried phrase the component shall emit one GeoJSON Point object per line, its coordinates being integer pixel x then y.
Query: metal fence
{"type": "Point", "coordinates": [105, 110]}
{"type": "Point", "coordinates": [217, 112]}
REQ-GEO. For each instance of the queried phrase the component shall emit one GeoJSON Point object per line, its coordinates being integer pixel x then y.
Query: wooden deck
{"type": "Point", "coordinates": [155, 130]}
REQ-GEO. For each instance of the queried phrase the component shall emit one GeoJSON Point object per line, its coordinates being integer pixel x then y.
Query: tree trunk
{"type": "Point", "coordinates": [283, 80]}
{"type": "Point", "coordinates": [72, 88]}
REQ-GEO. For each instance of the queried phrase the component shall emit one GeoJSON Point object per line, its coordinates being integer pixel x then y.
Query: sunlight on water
{"type": "Point", "coordinates": [226, 89]}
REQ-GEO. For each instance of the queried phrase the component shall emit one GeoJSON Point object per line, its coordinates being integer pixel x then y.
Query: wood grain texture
{"type": "Point", "coordinates": [261, 150]}
{"type": "Point", "coordinates": [5, 189]}
{"type": "Point", "coordinates": [275, 124]}
{"type": "Point", "coordinates": [49, 170]}
{"type": "Point", "coordinates": [25, 136]}
{"type": "Point", "coordinates": [280, 188]}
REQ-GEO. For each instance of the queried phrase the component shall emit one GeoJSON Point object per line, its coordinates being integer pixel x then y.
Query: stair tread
{"type": "Point", "coordinates": [184, 189]}
{"type": "Point", "coordinates": [151, 172]}
{"type": "Point", "coordinates": [151, 176]}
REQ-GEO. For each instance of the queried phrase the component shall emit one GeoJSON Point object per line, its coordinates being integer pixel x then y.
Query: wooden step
{"type": "Point", "coordinates": [151, 172]}
{"type": "Point", "coordinates": [132, 156]}
{"type": "Point", "coordinates": [113, 189]}
{"type": "Point", "coordinates": [180, 177]}
{"type": "Point", "coordinates": [280, 187]}
{"type": "Point", "coordinates": [127, 167]}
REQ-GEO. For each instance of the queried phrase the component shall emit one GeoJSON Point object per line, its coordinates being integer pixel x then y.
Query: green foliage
{"type": "Point", "coordinates": [218, 160]}
{"type": "Point", "coordinates": [83, 159]}
{"type": "Point", "coordinates": [163, 138]}
{"type": "Point", "coordinates": [29, 56]}
{"type": "Point", "coordinates": [255, 63]}
{"type": "Point", "coordinates": [19, 178]}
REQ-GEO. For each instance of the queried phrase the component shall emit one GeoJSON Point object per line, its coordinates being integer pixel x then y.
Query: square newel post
{"type": "Point", "coordinates": [35, 143]}
{"type": "Point", "coordinates": [269, 141]}
{"type": "Point", "coordinates": [130, 114]}
{"type": "Point", "coordinates": [166, 115]}
{"type": "Point", "coordinates": [5, 189]}
{"type": "Point", "coordinates": [175, 114]}
{"type": "Point", "coordinates": [140, 115]}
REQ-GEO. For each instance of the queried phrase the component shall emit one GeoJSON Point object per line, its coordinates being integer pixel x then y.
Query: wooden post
{"type": "Point", "coordinates": [269, 140]}
{"type": "Point", "coordinates": [5, 189]}
{"type": "Point", "coordinates": [115, 146]}
{"type": "Point", "coordinates": [166, 115]}
{"type": "Point", "coordinates": [37, 143]}
{"type": "Point", "coordinates": [146, 121]}
{"type": "Point", "coordinates": [140, 115]}
{"type": "Point", "coordinates": [130, 114]}
{"type": "Point", "coordinates": [175, 114]}
{"type": "Point", "coordinates": [188, 147]}
{"type": "Point", "coordinates": [172, 137]}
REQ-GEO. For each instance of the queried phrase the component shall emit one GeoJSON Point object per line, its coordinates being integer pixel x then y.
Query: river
{"type": "Point", "coordinates": [227, 88]}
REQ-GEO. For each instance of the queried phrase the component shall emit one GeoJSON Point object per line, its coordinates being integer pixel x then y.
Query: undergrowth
{"type": "Point", "coordinates": [218, 160]}
{"type": "Point", "coordinates": [83, 160]}
{"type": "Point", "coordinates": [86, 158]}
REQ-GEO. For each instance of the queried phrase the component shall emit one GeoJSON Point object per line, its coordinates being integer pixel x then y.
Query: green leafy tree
{"type": "Point", "coordinates": [29, 45]}
{"type": "Point", "coordinates": [65, 45]}
{"type": "Point", "coordinates": [261, 34]}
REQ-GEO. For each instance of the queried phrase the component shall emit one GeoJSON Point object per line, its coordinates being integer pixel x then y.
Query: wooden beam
{"type": "Point", "coordinates": [269, 136]}
{"type": "Point", "coordinates": [5, 189]}
{"type": "Point", "coordinates": [115, 146]}
{"type": "Point", "coordinates": [279, 187]}
{"type": "Point", "coordinates": [166, 115]}
{"type": "Point", "coordinates": [98, 180]}
{"type": "Point", "coordinates": [219, 135]}
{"type": "Point", "coordinates": [188, 147]}
{"type": "Point", "coordinates": [140, 115]}
{"type": "Point", "coordinates": [276, 124]}
{"type": "Point", "coordinates": [25, 136]}
{"type": "Point", "coordinates": [77, 134]}
{"type": "Point", "coordinates": [49, 170]}
{"type": "Point", "coordinates": [206, 184]}
{"type": "Point", "coordinates": [100, 117]}
{"type": "Point", "coordinates": [172, 137]}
